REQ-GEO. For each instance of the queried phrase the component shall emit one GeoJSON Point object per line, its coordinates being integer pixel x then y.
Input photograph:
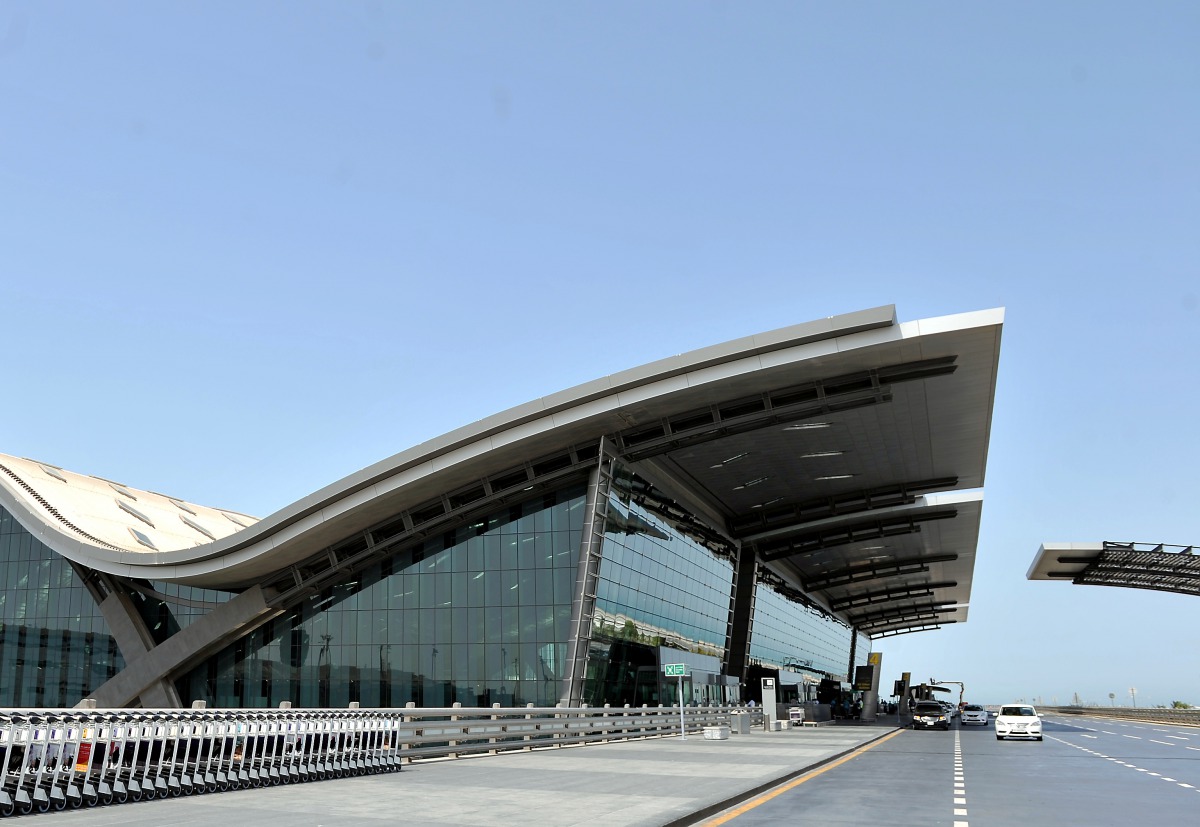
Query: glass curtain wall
{"type": "Point", "coordinates": [478, 615]}
{"type": "Point", "coordinates": [664, 584]}
{"type": "Point", "coordinates": [788, 635]}
{"type": "Point", "coordinates": [55, 647]}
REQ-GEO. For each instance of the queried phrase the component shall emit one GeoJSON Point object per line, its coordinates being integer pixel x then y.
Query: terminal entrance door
{"type": "Point", "coordinates": [670, 691]}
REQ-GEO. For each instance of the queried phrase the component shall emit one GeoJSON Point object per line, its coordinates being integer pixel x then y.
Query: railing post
{"type": "Point", "coordinates": [407, 745]}
{"type": "Point", "coordinates": [454, 719]}
{"type": "Point", "coordinates": [493, 739]}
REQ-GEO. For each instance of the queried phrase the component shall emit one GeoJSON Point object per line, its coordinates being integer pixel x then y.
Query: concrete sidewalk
{"type": "Point", "coordinates": [648, 783]}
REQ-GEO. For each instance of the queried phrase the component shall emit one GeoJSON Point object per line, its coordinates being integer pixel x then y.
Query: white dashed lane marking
{"type": "Point", "coordinates": [1148, 773]}
{"type": "Point", "coordinates": [960, 793]}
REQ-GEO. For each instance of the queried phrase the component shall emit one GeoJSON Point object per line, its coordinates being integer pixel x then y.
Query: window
{"type": "Point", "coordinates": [122, 490]}
{"type": "Point", "coordinates": [129, 509]}
{"type": "Point", "coordinates": [143, 539]}
{"type": "Point", "coordinates": [52, 471]}
{"type": "Point", "coordinates": [193, 524]}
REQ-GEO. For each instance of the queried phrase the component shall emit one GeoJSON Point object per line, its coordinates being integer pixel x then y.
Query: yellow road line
{"type": "Point", "coordinates": [765, 797]}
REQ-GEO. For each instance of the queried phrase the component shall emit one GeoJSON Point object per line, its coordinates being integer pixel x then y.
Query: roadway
{"type": "Point", "coordinates": [1087, 772]}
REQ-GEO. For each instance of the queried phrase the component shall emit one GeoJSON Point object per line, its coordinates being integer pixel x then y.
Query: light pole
{"type": "Point", "coordinates": [1133, 694]}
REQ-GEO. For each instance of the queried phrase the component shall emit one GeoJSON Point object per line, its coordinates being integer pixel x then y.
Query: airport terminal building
{"type": "Point", "coordinates": [767, 506]}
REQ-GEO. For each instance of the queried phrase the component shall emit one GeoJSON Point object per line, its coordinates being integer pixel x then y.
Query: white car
{"type": "Point", "coordinates": [1018, 721]}
{"type": "Point", "coordinates": [973, 714]}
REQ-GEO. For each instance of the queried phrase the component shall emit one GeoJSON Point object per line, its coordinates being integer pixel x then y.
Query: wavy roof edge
{"type": "Point", "coordinates": [211, 563]}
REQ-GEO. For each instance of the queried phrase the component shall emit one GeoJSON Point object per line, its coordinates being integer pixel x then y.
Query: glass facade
{"type": "Point", "coordinates": [166, 608]}
{"type": "Point", "coordinates": [55, 646]}
{"type": "Point", "coordinates": [788, 635]}
{"type": "Point", "coordinates": [478, 615]}
{"type": "Point", "coordinates": [661, 593]}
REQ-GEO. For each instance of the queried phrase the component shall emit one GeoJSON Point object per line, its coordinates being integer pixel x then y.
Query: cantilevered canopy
{"type": "Point", "coordinates": [847, 453]}
{"type": "Point", "coordinates": [1132, 565]}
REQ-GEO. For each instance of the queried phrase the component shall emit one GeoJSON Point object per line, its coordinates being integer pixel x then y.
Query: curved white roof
{"type": "Point", "coordinates": [918, 423]}
{"type": "Point", "coordinates": [110, 514]}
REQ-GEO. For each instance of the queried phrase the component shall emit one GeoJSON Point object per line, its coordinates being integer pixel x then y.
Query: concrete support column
{"type": "Point", "coordinates": [148, 679]}
{"type": "Point", "coordinates": [130, 632]}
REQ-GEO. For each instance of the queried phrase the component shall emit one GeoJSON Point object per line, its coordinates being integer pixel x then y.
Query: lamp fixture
{"type": "Point", "coordinates": [731, 460]}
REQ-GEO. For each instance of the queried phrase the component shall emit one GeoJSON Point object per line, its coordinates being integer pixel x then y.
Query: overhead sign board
{"type": "Point", "coordinates": [675, 670]}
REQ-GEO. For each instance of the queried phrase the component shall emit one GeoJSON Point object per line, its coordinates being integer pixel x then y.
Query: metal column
{"type": "Point", "coordinates": [583, 605]}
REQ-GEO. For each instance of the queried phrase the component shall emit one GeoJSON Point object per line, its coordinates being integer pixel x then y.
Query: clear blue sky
{"type": "Point", "coordinates": [248, 248]}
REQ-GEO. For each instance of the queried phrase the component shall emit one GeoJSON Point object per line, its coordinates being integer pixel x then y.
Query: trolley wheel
{"type": "Point", "coordinates": [7, 809]}
{"type": "Point", "coordinates": [149, 794]}
{"type": "Point", "coordinates": [59, 803]}
{"type": "Point", "coordinates": [26, 807]}
{"type": "Point", "coordinates": [175, 792]}
{"type": "Point", "coordinates": [75, 803]}
{"type": "Point", "coordinates": [42, 806]}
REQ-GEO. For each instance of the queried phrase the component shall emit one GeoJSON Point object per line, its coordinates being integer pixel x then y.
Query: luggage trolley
{"type": "Point", "coordinates": [34, 785]}
{"type": "Point", "coordinates": [187, 766]}
{"type": "Point", "coordinates": [341, 745]}
{"type": "Point", "coordinates": [288, 749]}
{"type": "Point", "coordinates": [77, 762]}
{"type": "Point", "coordinates": [105, 758]}
{"type": "Point", "coordinates": [308, 745]}
{"type": "Point", "coordinates": [161, 755]}
{"type": "Point", "coordinates": [14, 736]}
{"type": "Point", "coordinates": [139, 756]}
{"type": "Point", "coordinates": [256, 755]}
{"type": "Point", "coordinates": [21, 763]}
{"type": "Point", "coordinates": [220, 751]}
{"type": "Point", "coordinates": [240, 758]}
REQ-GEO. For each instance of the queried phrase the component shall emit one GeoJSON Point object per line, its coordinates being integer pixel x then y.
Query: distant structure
{"type": "Point", "coordinates": [1157, 567]}
{"type": "Point", "coordinates": [767, 506]}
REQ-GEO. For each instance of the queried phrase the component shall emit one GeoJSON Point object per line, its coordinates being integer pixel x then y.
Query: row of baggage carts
{"type": "Point", "coordinates": [75, 758]}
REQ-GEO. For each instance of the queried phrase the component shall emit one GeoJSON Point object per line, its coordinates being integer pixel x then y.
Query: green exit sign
{"type": "Point", "coordinates": [675, 670]}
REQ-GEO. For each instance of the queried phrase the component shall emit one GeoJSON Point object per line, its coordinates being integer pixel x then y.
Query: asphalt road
{"type": "Point", "coordinates": [1087, 772]}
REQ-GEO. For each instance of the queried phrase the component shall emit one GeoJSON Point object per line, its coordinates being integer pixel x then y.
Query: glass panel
{"type": "Point", "coordinates": [55, 646]}
{"type": "Point", "coordinates": [457, 617]}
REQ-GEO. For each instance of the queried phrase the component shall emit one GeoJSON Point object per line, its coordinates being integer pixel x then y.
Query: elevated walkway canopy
{"type": "Point", "coordinates": [1157, 567]}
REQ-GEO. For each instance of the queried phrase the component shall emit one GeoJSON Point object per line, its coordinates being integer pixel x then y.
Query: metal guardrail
{"type": "Point", "coordinates": [1179, 717]}
{"type": "Point", "coordinates": [59, 758]}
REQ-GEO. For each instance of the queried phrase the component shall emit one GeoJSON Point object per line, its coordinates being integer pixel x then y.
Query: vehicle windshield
{"type": "Point", "coordinates": [1018, 711]}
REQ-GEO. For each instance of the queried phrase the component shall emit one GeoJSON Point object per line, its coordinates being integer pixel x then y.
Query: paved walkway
{"type": "Point", "coordinates": [649, 783]}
